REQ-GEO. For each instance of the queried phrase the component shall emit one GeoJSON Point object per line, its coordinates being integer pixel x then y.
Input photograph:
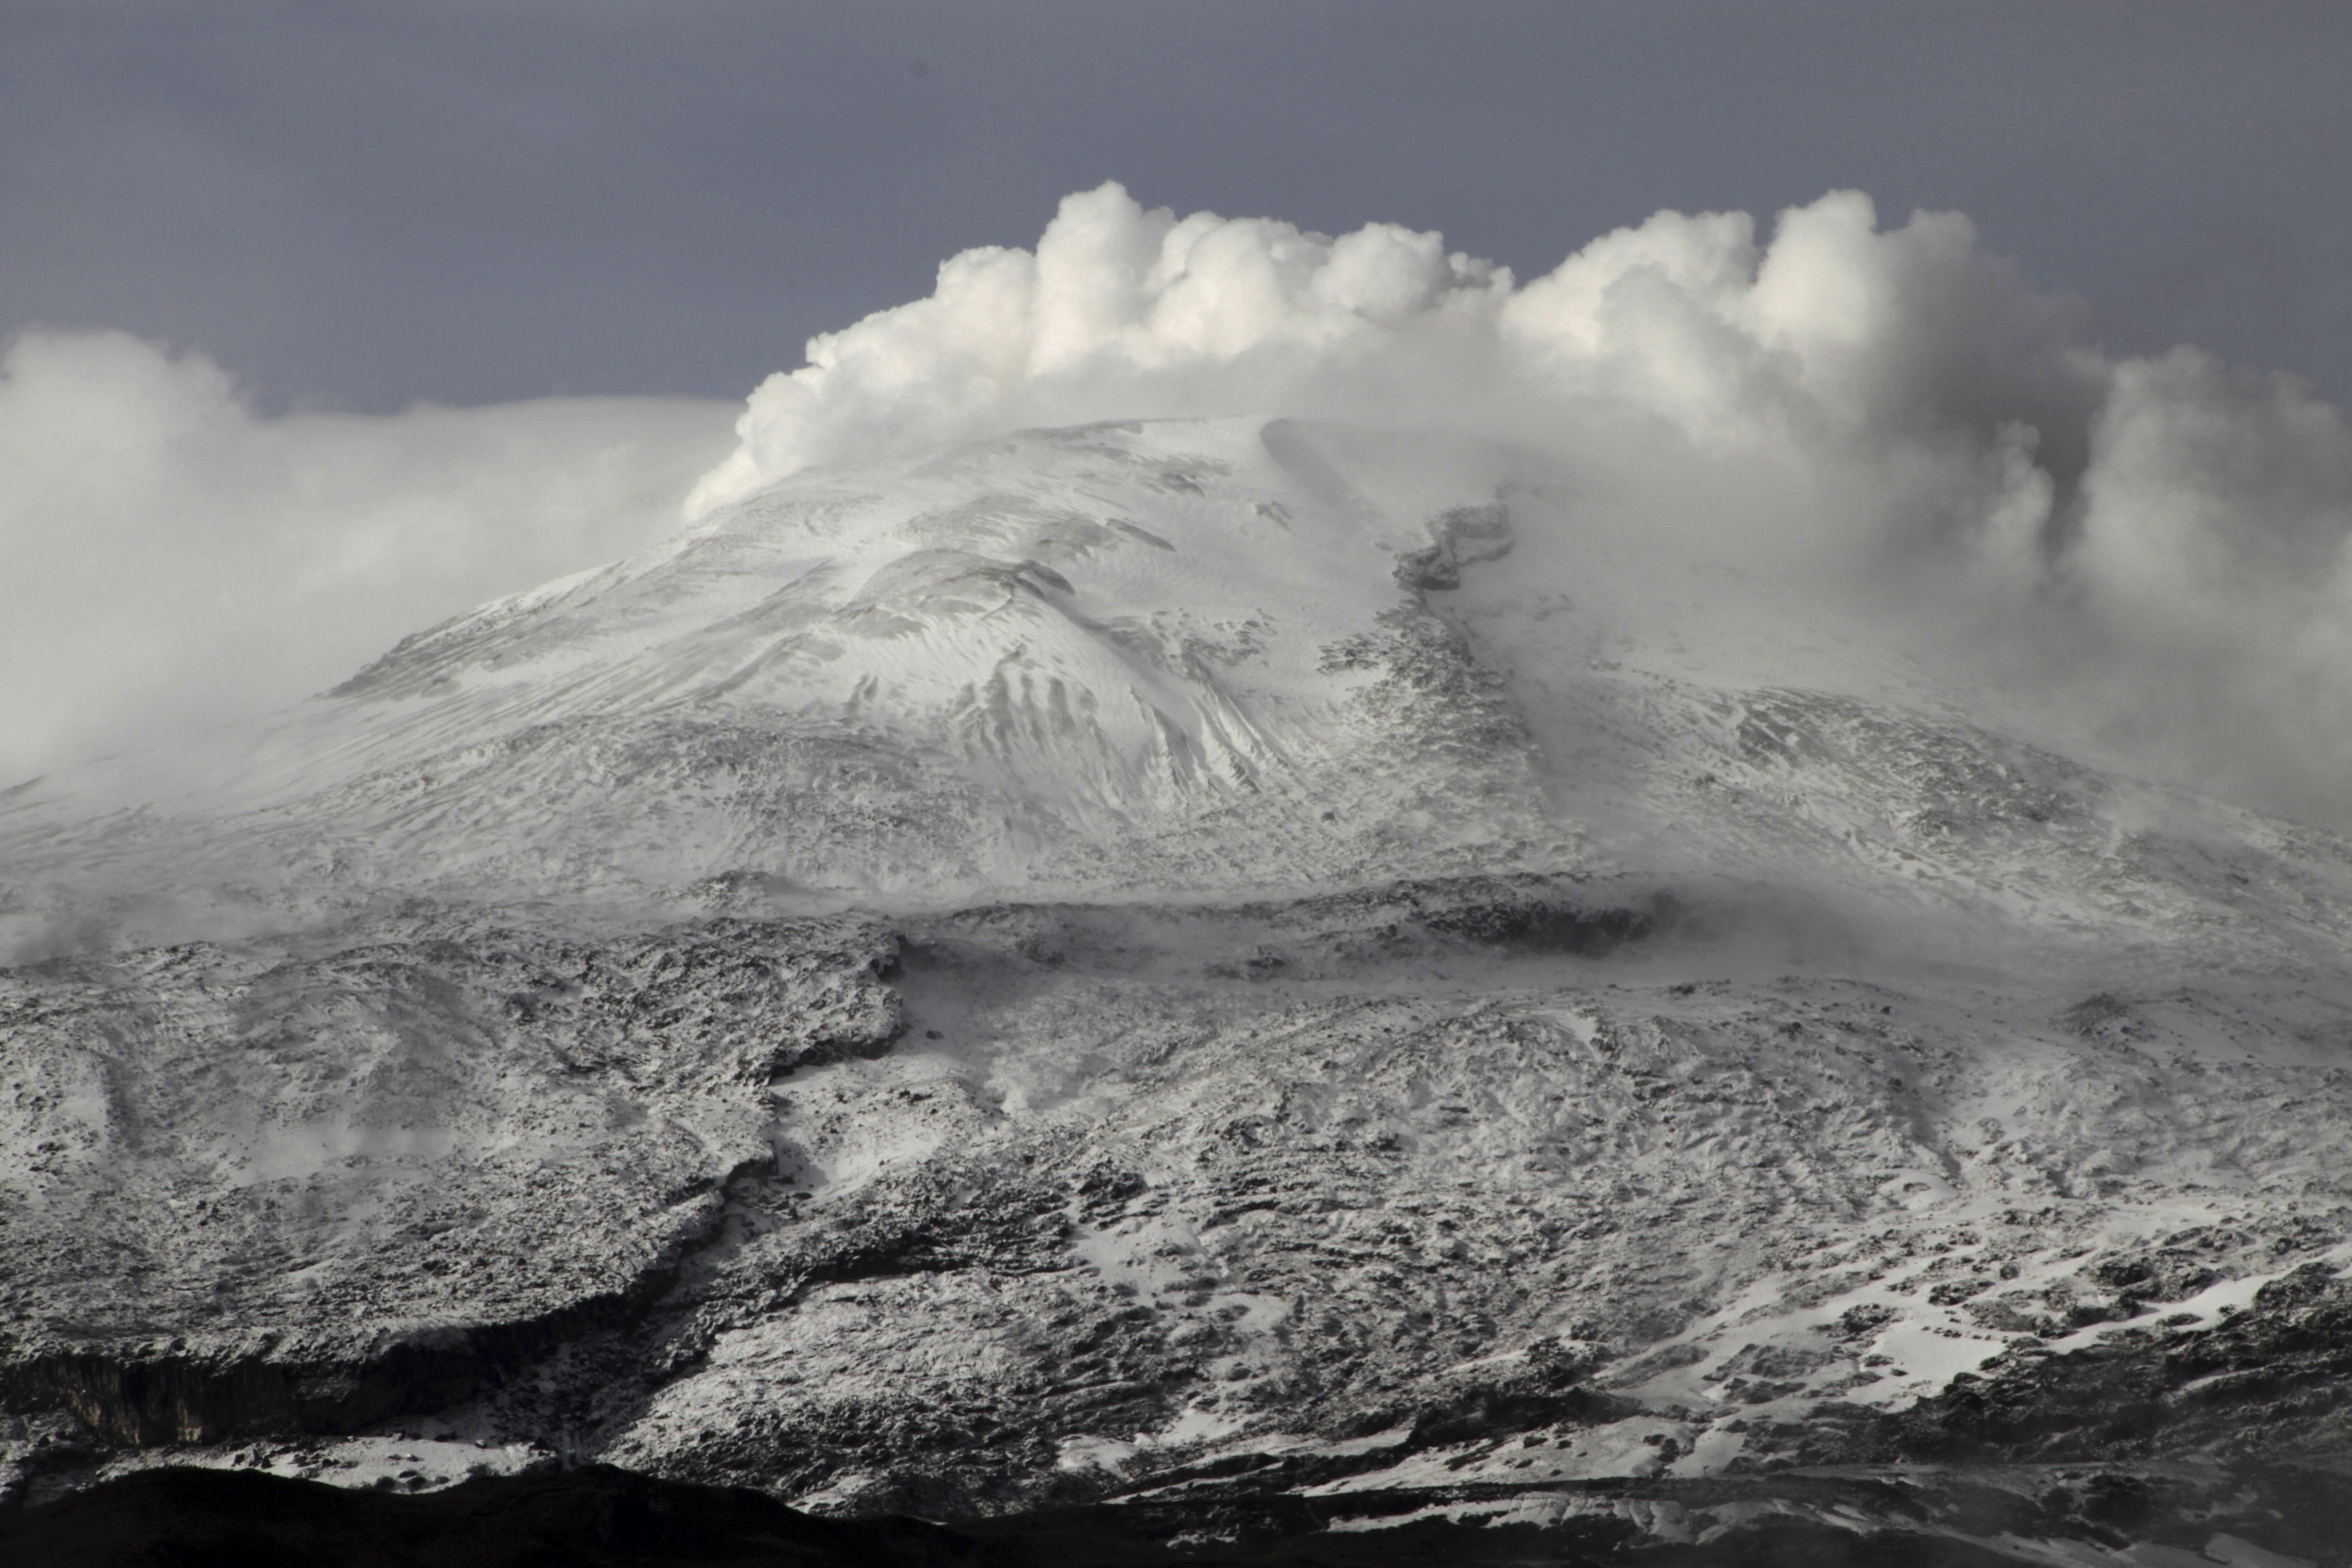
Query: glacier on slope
{"type": "Point", "coordinates": [1144, 956]}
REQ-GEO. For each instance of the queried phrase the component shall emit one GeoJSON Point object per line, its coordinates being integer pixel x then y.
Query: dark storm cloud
{"type": "Point", "coordinates": [365, 204]}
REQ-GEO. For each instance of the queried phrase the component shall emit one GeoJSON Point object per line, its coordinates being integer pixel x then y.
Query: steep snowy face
{"type": "Point", "coordinates": [1184, 657]}
{"type": "Point", "coordinates": [1099, 632]}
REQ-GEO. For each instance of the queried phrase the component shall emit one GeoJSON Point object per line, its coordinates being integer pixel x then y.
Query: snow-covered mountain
{"type": "Point", "coordinates": [1192, 963]}
{"type": "Point", "coordinates": [1165, 659]}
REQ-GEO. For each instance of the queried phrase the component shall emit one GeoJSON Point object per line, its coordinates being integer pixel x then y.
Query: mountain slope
{"type": "Point", "coordinates": [1125, 957]}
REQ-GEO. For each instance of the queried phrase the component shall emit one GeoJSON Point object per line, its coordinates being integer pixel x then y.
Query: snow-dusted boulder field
{"type": "Point", "coordinates": [1201, 966]}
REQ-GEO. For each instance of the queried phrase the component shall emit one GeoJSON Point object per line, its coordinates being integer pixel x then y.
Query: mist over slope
{"type": "Point", "coordinates": [174, 560]}
{"type": "Point", "coordinates": [1191, 658]}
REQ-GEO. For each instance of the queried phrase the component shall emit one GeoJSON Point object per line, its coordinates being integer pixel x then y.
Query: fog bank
{"type": "Point", "coordinates": [171, 560]}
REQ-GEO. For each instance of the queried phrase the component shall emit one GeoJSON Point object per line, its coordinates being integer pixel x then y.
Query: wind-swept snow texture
{"type": "Point", "coordinates": [1194, 963]}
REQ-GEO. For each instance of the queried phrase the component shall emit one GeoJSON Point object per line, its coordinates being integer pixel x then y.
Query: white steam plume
{"type": "Point", "coordinates": [170, 560]}
{"type": "Point", "coordinates": [2161, 544]}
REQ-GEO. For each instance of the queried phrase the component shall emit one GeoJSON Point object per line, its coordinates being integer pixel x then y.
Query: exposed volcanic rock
{"type": "Point", "coordinates": [2268, 1384]}
{"type": "Point", "coordinates": [308, 1185]}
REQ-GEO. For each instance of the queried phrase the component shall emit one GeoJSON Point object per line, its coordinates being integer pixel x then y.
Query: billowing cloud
{"type": "Point", "coordinates": [170, 560]}
{"type": "Point", "coordinates": [2159, 545]}
{"type": "Point", "coordinates": [1123, 312]}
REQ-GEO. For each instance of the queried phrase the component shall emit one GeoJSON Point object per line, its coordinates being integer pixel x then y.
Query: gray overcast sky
{"type": "Point", "coordinates": [357, 205]}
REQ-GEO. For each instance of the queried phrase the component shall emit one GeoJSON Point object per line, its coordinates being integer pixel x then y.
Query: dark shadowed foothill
{"type": "Point", "coordinates": [603, 1518]}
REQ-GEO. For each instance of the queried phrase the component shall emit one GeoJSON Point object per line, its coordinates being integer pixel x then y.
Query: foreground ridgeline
{"type": "Point", "coordinates": [1214, 992]}
{"type": "Point", "coordinates": [599, 1516]}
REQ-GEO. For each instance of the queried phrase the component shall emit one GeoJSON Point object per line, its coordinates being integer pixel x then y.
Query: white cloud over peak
{"type": "Point", "coordinates": [2160, 542]}
{"type": "Point", "coordinates": [1118, 308]}
{"type": "Point", "coordinates": [1122, 312]}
